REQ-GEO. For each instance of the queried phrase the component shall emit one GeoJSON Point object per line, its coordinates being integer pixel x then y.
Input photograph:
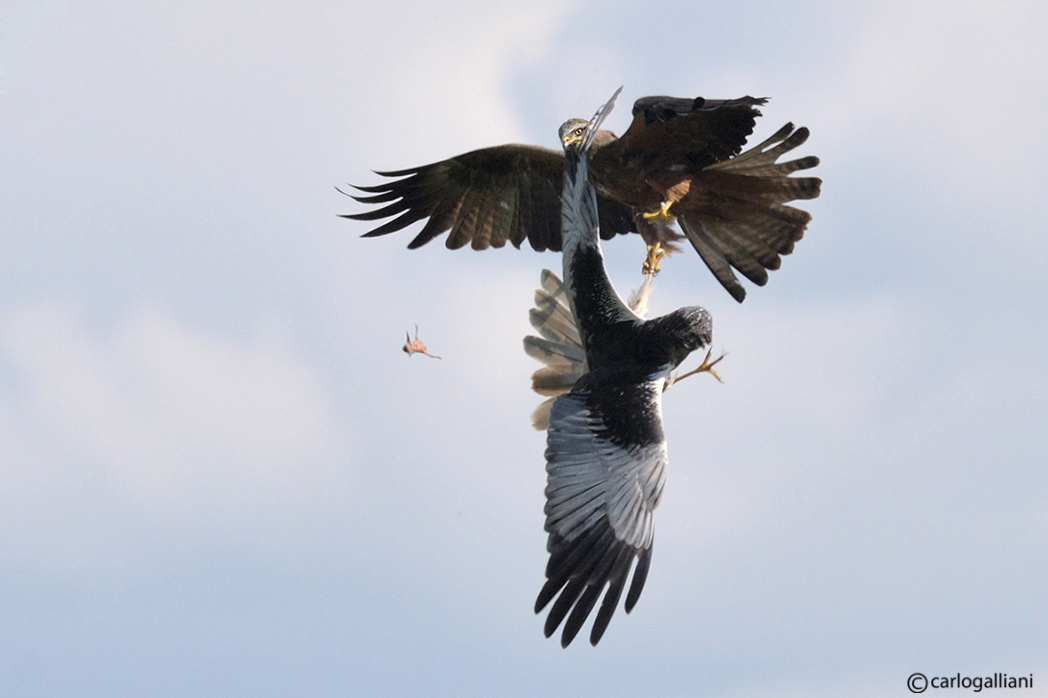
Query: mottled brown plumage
{"type": "Point", "coordinates": [678, 156]}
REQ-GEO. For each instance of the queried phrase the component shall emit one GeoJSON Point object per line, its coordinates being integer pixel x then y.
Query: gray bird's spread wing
{"type": "Point", "coordinates": [606, 467]}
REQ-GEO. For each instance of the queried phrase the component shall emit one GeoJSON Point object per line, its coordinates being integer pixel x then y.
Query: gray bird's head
{"type": "Point", "coordinates": [672, 337]}
{"type": "Point", "coordinates": [692, 327]}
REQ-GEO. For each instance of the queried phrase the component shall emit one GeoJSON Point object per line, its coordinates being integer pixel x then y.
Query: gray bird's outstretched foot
{"type": "Point", "coordinates": [706, 367]}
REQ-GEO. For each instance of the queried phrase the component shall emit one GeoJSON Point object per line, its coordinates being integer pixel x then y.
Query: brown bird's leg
{"type": "Point", "coordinates": [706, 367]}
{"type": "Point", "coordinates": [671, 195]}
{"type": "Point", "coordinates": [651, 263]}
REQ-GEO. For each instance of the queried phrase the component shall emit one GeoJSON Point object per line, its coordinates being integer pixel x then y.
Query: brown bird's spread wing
{"type": "Point", "coordinates": [730, 205]}
{"type": "Point", "coordinates": [484, 198]}
{"type": "Point", "coordinates": [684, 135]}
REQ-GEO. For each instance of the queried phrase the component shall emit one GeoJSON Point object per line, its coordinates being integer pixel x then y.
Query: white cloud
{"type": "Point", "coordinates": [952, 92]}
{"type": "Point", "coordinates": [449, 93]}
{"type": "Point", "coordinates": [926, 126]}
{"type": "Point", "coordinates": [178, 428]}
{"type": "Point", "coordinates": [791, 389]}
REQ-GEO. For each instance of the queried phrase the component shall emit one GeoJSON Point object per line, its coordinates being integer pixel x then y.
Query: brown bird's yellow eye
{"type": "Point", "coordinates": [578, 131]}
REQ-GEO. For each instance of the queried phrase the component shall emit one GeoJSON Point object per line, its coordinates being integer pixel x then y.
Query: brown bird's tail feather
{"type": "Point", "coordinates": [736, 214]}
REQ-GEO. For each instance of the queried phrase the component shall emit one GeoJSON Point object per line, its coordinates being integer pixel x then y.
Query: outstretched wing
{"type": "Point", "coordinates": [684, 135]}
{"type": "Point", "coordinates": [484, 198]}
{"type": "Point", "coordinates": [606, 467]}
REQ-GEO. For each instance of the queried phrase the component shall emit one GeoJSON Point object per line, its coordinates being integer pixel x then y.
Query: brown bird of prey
{"type": "Point", "coordinates": [680, 159]}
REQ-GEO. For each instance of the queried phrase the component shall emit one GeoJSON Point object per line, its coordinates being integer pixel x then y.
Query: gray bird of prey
{"type": "Point", "coordinates": [605, 447]}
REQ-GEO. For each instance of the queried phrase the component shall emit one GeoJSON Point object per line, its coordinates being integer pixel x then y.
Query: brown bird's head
{"type": "Point", "coordinates": [572, 131]}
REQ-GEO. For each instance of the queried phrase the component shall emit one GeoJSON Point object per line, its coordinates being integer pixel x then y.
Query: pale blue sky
{"type": "Point", "coordinates": [219, 475]}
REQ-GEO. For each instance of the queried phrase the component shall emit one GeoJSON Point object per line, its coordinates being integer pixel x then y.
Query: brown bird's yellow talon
{"type": "Point", "coordinates": [663, 214]}
{"type": "Point", "coordinates": [651, 263]}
